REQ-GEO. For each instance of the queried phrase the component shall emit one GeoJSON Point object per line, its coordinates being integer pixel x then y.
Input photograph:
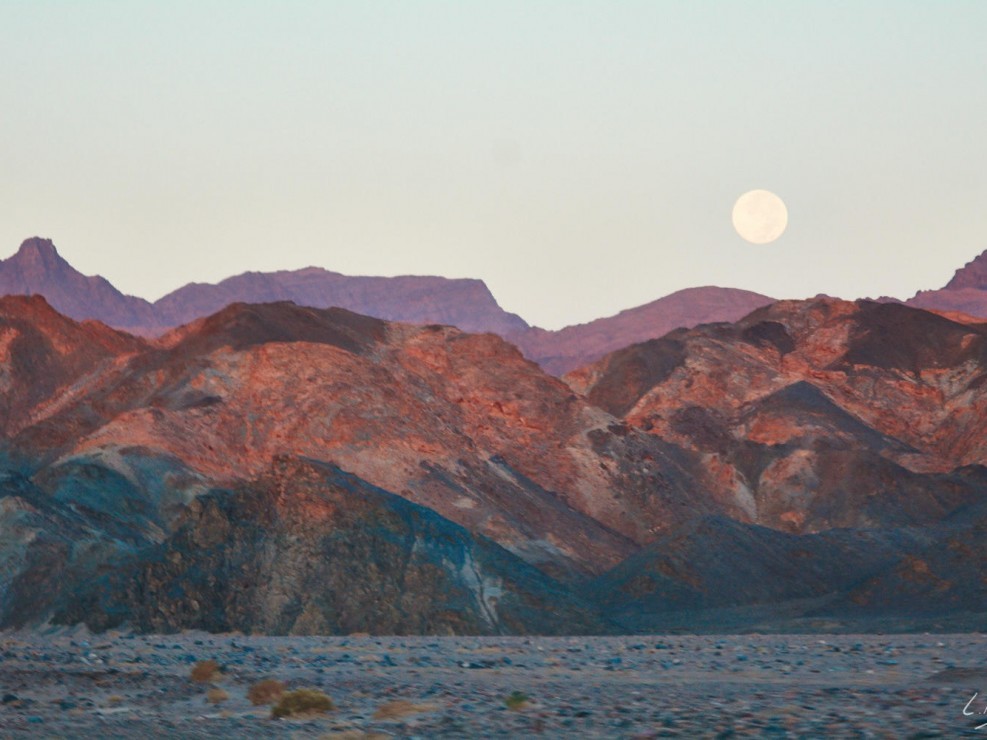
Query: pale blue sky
{"type": "Point", "coordinates": [580, 157]}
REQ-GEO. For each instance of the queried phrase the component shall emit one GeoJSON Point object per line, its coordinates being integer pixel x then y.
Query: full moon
{"type": "Point", "coordinates": [760, 216]}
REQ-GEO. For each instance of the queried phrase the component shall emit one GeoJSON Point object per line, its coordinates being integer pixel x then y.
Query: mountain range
{"type": "Point", "coordinates": [37, 269]}
{"type": "Point", "coordinates": [281, 468]}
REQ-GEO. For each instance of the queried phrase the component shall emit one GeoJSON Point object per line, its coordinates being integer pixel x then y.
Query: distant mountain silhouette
{"type": "Point", "coordinates": [38, 269]}
{"type": "Point", "coordinates": [972, 275]}
{"type": "Point", "coordinates": [466, 304]}
{"type": "Point", "coordinates": [966, 293]}
{"type": "Point", "coordinates": [560, 351]}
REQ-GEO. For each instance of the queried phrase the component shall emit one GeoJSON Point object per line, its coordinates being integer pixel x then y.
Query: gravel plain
{"type": "Point", "coordinates": [72, 684]}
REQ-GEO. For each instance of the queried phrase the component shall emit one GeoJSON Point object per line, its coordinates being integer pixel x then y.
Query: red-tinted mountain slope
{"type": "Point", "coordinates": [43, 354]}
{"type": "Point", "coordinates": [457, 422]}
{"type": "Point", "coordinates": [817, 413]}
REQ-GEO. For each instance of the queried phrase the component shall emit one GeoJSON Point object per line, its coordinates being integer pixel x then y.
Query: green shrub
{"type": "Point", "coordinates": [516, 701]}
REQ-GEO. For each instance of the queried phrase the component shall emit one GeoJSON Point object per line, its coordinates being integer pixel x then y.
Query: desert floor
{"type": "Point", "coordinates": [72, 684]}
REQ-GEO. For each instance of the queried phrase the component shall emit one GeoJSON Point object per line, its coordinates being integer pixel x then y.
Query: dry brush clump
{"type": "Point", "coordinates": [400, 708]}
{"type": "Point", "coordinates": [302, 703]}
{"type": "Point", "coordinates": [216, 695]}
{"type": "Point", "coordinates": [206, 671]}
{"type": "Point", "coordinates": [267, 691]}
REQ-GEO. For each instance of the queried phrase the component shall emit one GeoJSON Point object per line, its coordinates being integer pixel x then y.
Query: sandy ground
{"type": "Point", "coordinates": [71, 684]}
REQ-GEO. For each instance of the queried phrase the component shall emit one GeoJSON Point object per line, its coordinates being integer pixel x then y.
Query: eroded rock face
{"type": "Point", "coordinates": [308, 549]}
{"type": "Point", "coordinates": [80, 518]}
{"type": "Point", "coordinates": [819, 413]}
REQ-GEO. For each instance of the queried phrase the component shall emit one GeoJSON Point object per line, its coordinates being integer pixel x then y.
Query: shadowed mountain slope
{"type": "Point", "coordinates": [943, 577]}
{"type": "Point", "coordinates": [38, 269]}
{"type": "Point", "coordinates": [308, 549]}
{"type": "Point", "coordinates": [717, 563]}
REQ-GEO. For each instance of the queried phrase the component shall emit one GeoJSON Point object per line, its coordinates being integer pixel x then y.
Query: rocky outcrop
{"type": "Point", "coordinates": [972, 275]}
{"type": "Point", "coordinates": [67, 525]}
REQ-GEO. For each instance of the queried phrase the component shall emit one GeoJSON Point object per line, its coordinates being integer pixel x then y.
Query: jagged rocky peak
{"type": "Point", "coordinates": [38, 269]}
{"type": "Point", "coordinates": [972, 275]}
{"type": "Point", "coordinates": [36, 258]}
{"type": "Point", "coordinates": [37, 246]}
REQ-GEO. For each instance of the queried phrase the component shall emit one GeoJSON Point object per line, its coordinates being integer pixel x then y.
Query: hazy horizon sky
{"type": "Point", "coordinates": [579, 157]}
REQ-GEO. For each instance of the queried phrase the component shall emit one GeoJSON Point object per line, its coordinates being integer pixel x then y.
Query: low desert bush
{"type": "Point", "coordinates": [267, 691]}
{"type": "Point", "coordinates": [302, 702]}
{"type": "Point", "coordinates": [216, 695]}
{"type": "Point", "coordinates": [516, 701]}
{"type": "Point", "coordinates": [206, 671]}
{"type": "Point", "coordinates": [400, 708]}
